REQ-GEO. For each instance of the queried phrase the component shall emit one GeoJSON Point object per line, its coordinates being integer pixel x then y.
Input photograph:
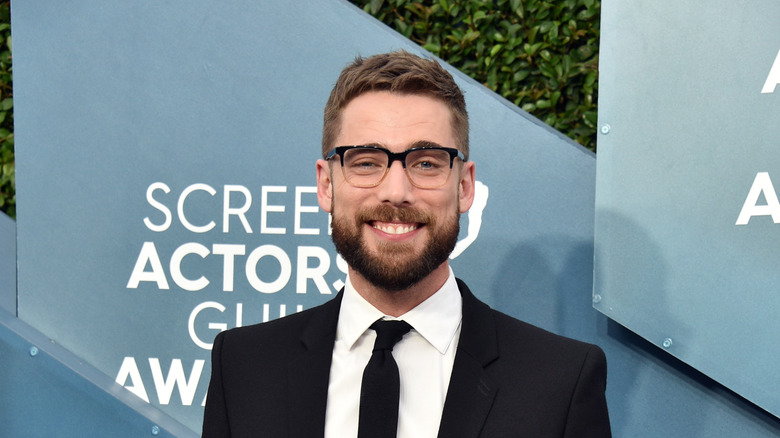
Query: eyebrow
{"type": "Point", "coordinates": [415, 145]}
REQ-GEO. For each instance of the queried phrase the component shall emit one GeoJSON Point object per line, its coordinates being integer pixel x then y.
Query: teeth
{"type": "Point", "coordinates": [396, 229]}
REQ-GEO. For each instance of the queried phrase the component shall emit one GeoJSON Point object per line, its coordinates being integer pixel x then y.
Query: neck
{"type": "Point", "coordinates": [396, 303]}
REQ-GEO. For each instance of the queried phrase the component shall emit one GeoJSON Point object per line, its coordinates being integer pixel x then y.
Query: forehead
{"type": "Point", "coordinates": [395, 121]}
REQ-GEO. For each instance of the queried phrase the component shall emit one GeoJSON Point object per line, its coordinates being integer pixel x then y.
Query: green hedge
{"type": "Point", "coordinates": [541, 55]}
{"type": "Point", "coordinates": [7, 180]}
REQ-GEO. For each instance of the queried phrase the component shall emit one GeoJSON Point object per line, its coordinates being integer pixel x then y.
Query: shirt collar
{"type": "Point", "coordinates": [436, 319]}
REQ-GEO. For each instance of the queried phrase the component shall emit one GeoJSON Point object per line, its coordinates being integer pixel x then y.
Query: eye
{"type": "Point", "coordinates": [364, 162]}
{"type": "Point", "coordinates": [427, 162]}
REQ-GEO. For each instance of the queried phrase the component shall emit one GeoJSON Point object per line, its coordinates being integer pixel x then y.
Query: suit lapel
{"type": "Point", "coordinates": [308, 375]}
{"type": "Point", "coordinates": [471, 391]}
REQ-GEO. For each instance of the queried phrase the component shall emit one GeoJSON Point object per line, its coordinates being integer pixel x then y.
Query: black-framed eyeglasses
{"type": "Point", "coordinates": [426, 167]}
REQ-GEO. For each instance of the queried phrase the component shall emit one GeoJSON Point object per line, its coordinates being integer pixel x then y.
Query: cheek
{"type": "Point", "coordinates": [343, 202]}
{"type": "Point", "coordinates": [443, 206]}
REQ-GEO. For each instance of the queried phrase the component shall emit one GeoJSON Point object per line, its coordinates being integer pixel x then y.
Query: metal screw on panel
{"type": "Point", "coordinates": [596, 299]}
{"type": "Point", "coordinates": [605, 128]}
{"type": "Point", "coordinates": [33, 351]}
{"type": "Point", "coordinates": [667, 342]}
{"type": "Point", "coordinates": [155, 430]}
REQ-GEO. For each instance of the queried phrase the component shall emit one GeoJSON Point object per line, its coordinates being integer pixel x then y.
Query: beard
{"type": "Point", "coordinates": [394, 266]}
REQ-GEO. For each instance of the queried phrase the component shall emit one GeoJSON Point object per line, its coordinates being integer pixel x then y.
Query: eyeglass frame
{"type": "Point", "coordinates": [395, 156]}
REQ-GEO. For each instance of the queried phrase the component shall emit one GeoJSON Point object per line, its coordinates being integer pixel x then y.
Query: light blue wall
{"type": "Point", "coordinates": [46, 391]}
{"type": "Point", "coordinates": [110, 100]}
{"type": "Point", "coordinates": [7, 264]}
{"type": "Point", "coordinates": [686, 131]}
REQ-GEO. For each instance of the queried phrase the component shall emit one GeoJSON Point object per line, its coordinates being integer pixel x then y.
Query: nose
{"type": "Point", "coordinates": [396, 188]}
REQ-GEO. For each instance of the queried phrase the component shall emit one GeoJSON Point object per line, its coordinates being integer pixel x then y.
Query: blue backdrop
{"type": "Point", "coordinates": [165, 174]}
{"type": "Point", "coordinates": [687, 218]}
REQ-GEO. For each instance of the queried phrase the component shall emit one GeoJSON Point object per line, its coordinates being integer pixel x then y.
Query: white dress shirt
{"type": "Point", "coordinates": [425, 357]}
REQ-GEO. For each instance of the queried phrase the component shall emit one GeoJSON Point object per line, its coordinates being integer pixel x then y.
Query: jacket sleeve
{"type": "Point", "coordinates": [215, 419]}
{"type": "Point", "coordinates": [588, 415]}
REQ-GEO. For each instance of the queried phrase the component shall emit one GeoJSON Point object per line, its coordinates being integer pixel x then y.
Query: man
{"type": "Point", "coordinates": [395, 177]}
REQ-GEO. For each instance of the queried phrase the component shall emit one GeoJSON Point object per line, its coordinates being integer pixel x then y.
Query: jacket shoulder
{"type": "Point", "coordinates": [512, 331]}
{"type": "Point", "coordinates": [282, 333]}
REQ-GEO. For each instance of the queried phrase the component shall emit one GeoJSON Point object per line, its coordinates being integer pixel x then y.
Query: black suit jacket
{"type": "Point", "coordinates": [509, 379]}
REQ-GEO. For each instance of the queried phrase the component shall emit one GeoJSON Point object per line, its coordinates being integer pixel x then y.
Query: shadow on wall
{"type": "Point", "coordinates": [557, 299]}
{"type": "Point", "coordinates": [650, 393]}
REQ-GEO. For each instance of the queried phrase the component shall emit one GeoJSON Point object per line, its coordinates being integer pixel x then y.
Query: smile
{"type": "Point", "coordinates": [395, 229]}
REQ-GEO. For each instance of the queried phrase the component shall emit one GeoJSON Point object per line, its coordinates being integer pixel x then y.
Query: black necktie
{"type": "Point", "coordinates": [381, 385]}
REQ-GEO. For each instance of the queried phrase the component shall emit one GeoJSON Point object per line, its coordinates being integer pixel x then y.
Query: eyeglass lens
{"type": "Point", "coordinates": [426, 168]}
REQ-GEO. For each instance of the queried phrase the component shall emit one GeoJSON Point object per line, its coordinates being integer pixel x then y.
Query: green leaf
{"type": "Point", "coordinates": [590, 78]}
{"type": "Point", "coordinates": [555, 97]}
{"type": "Point", "coordinates": [592, 117]}
{"type": "Point", "coordinates": [432, 47]}
{"type": "Point", "coordinates": [520, 75]}
{"type": "Point", "coordinates": [542, 103]}
{"type": "Point", "coordinates": [376, 5]}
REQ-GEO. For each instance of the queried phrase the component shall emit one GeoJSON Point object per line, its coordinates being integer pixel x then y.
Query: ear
{"type": "Point", "coordinates": [324, 185]}
{"type": "Point", "coordinates": [466, 186]}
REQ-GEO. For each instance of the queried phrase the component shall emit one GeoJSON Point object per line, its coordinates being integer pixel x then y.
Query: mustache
{"type": "Point", "coordinates": [386, 213]}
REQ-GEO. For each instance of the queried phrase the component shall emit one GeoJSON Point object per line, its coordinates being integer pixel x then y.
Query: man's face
{"type": "Point", "coordinates": [395, 234]}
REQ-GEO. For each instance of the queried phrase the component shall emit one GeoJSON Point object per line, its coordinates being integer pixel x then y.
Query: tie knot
{"type": "Point", "coordinates": [388, 333]}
